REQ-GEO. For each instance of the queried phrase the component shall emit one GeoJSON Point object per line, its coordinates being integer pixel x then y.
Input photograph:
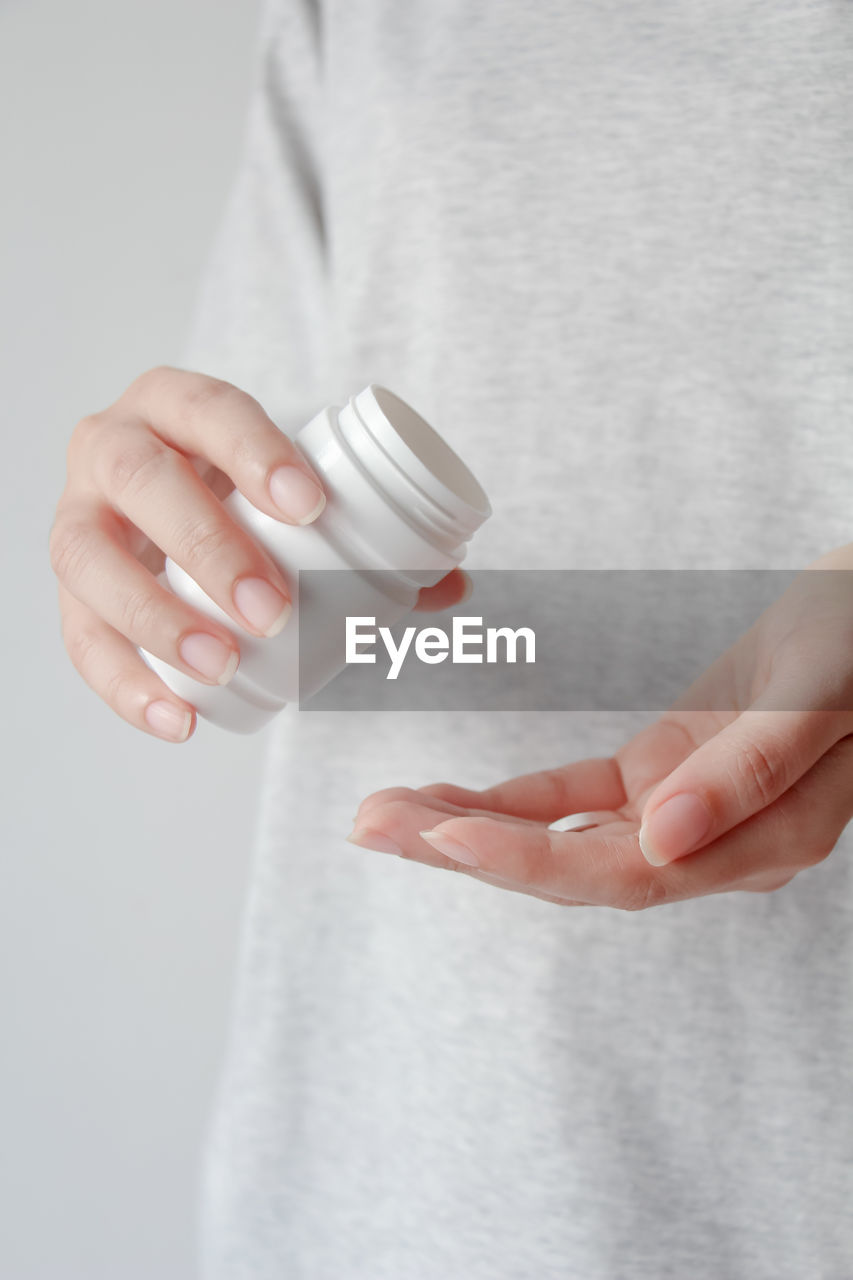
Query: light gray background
{"type": "Point", "coordinates": [124, 859]}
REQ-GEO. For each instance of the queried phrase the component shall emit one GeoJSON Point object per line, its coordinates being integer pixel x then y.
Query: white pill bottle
{"type": "Point", "coordinates": [398, 500]}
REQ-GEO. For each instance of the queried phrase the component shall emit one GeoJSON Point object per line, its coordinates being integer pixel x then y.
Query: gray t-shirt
{"type": "Point", "coordinates": [608, 250]}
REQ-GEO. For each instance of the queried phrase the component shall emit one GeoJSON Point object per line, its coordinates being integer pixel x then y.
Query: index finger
{"type": "Point", "coordinates": [200, 415]}
{"type": "Point", "coordinates": [592, 784]}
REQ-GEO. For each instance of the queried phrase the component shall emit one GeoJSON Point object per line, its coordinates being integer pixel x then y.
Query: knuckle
{"type": "Point", "coordinates": [554, 785]}
{"type": "Point", "coordinates": [79, 643]}
{"type": "Point", "coordinates": [131, 468]}
{"type": "Point", "coordinates": [760, 773]}
{"type": "Point", "coordinates": [138, 615]}
{"type": "Point", "coordinates": [69, 544]}
{"type": "Point", "coordinates": [551, 787]}
{"type": "Point", "coordinates": [118, 688]}
{"type": "Point", "coordinates": [201, 392]}
{"type": "Point", "coordinates": [156, 374]}
{"type": "Point", "coordinates": [199, 542]}
{"type": "Point", "coordinates": [243, 448]}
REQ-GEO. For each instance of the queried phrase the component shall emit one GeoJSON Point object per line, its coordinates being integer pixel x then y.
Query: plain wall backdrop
{"type": "Point", "coordinates": [124, 858]}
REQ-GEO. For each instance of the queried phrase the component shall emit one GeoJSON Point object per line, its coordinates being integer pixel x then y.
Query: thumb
{"type": "Point", "coordinates": [735, 774]}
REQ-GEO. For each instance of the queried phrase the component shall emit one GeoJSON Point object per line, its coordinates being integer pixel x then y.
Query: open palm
{"type": "Point", "coordinates": [740, 797]}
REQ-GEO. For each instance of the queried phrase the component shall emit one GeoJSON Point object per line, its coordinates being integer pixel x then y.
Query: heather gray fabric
{"type": "Point", "coordinates": [608, 250]}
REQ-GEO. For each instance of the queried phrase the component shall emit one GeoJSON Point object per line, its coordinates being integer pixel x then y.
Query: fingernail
{"type": "Point", "coordinates": [261, 605]}
{"type": "Point", "coordinates": [468, 588]}
{"type": "Point", "coordinates": [209, 656]}
{"type": "Point", "coordinates": [674, 829]}
{"type": "Point", "coordinates": [296, 495]}
{"type": "Point", "coordinates": [168, 720]}
{"type": "Point", "coordinates": [450, 848]}
{"type": "Point", "coordinates": [367, 839]}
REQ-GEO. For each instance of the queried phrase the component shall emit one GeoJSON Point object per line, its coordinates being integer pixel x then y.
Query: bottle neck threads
{"type": "Point", "coordinates": [414, 470]}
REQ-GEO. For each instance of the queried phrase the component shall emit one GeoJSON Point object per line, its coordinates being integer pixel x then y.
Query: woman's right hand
{"type": "Point", "coordinates": [133, 496]}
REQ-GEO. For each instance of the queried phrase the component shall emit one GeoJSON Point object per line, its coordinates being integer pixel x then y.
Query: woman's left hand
{"type": "Point", "coordinates": [740, 798]}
